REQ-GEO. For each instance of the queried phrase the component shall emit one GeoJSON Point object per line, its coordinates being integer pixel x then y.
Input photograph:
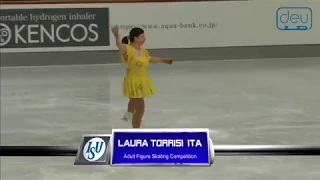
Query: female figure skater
{"type": "Point", "coordinates": [137, 84]}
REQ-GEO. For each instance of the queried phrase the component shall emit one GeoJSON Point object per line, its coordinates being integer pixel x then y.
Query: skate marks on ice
{"type": "Point", "coordinates": [42, 109]}
{"type": "Point", "coordinates": [241, 102]}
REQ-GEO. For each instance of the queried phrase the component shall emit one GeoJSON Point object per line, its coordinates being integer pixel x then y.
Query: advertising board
{"type": "Point", "coordinates": [86, 27]}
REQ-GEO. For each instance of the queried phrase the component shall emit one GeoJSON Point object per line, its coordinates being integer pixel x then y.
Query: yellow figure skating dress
{"type": "Point", "coordinates": [137, 83]}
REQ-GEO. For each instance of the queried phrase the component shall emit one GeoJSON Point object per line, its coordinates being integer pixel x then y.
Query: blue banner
{"type": "Point", "coordinates": [160, 148]}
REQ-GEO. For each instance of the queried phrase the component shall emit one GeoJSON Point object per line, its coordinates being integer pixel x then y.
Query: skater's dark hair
{"type": "Point", "coordinates": [135, 32]}
{"type": "Point", "coordinates": [125, 40]}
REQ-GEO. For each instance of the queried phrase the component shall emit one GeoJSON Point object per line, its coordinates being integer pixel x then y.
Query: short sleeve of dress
{"type": "Point", "coordinates": [129, 52]}
{"type": "Point", "coordinates": [146, 53]}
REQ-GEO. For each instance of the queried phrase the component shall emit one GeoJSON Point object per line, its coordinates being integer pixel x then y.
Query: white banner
{"type": "Point", "coordinates": [211, 24]}
{"type": "Point", "coordinates": [220, 24]}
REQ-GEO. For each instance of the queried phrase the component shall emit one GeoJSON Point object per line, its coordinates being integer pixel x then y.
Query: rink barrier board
{"type": "Point", "coordinates": [225, 31]}
{"type": "Point", "coordinates": [103, 1]}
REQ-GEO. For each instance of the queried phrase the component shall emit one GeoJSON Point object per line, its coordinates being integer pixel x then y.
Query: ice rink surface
{"type": "Point", "coordinates": [245, 102]}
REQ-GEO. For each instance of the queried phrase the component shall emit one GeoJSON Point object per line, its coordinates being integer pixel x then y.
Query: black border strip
{"type": "Point", "coordinates": [220, 150]}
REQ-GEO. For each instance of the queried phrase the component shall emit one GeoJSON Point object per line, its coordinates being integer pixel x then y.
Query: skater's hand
{"type": "Point", "coordinates": [168, 61]}
{"type": "Point", "coordinates": [115, 30]}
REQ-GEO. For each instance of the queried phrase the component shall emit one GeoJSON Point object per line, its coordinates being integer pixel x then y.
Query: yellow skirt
{"type": "Point", "coordinates": [138, 87]}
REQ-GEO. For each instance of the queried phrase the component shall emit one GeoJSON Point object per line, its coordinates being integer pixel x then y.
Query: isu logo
{"type": "Point", "coordinates": [5, 34]}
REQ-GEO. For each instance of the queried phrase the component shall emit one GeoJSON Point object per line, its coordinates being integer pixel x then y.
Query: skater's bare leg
{"type": "Point", "coordinates": [139, 107]}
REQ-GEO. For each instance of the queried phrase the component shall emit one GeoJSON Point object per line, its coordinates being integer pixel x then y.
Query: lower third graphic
{"type": "Point", "coordinates": [94, 150]}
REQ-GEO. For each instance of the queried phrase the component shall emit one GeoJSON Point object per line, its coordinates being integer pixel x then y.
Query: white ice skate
{"type": "Point", "coordinates": [127, 116]}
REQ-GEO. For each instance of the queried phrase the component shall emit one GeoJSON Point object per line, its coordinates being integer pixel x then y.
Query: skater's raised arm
{"type": "Point", "coordinates": [157, 60]}
{"type": "Point", "coordinates": [119, 44]}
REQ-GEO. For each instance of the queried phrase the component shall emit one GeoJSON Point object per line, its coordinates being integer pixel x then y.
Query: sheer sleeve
{"type": "Point", "coordinates": [146, 53]}
{"type": "Point", "coordinates": [129, 53]}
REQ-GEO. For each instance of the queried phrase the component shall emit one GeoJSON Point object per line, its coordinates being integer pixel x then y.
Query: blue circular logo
{"type": "Point", "coordinates": [94, 149]}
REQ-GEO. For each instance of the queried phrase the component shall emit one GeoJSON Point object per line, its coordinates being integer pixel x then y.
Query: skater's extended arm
{"type": "Point", "coordinates": [157, 60]}
{"type": "Point", "coordinates": [119, 44]}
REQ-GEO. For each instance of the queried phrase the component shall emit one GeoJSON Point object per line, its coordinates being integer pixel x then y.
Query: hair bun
{"type": "Point", "coordinates": [125, 40]}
